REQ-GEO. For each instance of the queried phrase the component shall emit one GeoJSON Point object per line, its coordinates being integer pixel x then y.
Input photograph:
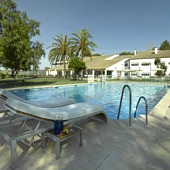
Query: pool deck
{"type": "Point", "coordinates": [112, 146]}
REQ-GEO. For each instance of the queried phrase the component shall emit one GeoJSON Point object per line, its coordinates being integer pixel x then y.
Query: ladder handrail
{"type": "Point", "coordinates": [130, 104]}
{"type": "Point", "coordinates": [146, 108]}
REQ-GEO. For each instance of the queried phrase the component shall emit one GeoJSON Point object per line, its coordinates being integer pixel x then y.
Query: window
{"type": "Point", "coordinates": [145, 74]}
{"type": "Point", "coordinates": [134, 64]}
{"type": "Point", "coordinates": [133, 74]}
{"type": "Point", "coordinates": [146, 64]}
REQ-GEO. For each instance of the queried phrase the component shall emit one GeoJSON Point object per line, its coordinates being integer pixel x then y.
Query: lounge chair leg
{"type": "Point", "coordinates": [81, 138]}
{"type": "Point", "coordinates": [1, 141]}
{"type": "Point", "coordinates": [13, 155]}
{"type": "Point", "coordinates": [43, 143]}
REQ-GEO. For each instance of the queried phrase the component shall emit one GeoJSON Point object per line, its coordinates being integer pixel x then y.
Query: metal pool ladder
{"type": "Point", "coordinates": [130, 104]}
{"type": "Point", "coordinates": [146, 108]}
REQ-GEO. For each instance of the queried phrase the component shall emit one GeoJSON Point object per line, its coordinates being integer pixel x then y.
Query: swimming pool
{"type": "Point", "coordinates": [108, 94]}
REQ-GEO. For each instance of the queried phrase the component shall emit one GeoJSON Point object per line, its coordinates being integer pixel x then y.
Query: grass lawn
{"type": "Point", "coordinates": [11, 83]}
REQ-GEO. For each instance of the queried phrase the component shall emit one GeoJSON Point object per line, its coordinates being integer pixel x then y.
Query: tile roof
{"type": "Point", "coordinates": [151, 54]}
{"type": "Point", "coordinates": [99, 62]}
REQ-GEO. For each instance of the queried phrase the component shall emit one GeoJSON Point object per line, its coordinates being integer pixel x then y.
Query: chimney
{"type": "Point", "coordinates": [156, 50]}
{"type": "Point", "coordinates": [134, 52]}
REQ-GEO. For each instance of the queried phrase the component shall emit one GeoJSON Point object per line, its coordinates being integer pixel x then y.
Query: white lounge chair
{"type": "Point", "coordinates": [71, 112]}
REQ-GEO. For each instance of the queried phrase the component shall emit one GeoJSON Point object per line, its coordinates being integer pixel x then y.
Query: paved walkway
{"type": "Point", "coordinates": [111, 146]}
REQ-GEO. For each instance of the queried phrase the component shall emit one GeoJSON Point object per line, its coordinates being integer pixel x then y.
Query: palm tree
{"type": "Point", "coordinates": [60, 50]}
{"type": "Point", "coordinates": [81, 44]}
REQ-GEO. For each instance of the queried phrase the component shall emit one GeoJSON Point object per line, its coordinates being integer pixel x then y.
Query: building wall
{"type": "Point", "coordinates": [137, 68]}
{"type": "Point", "coordinates": [142, 68]}
{"type": "Point", "coordinates": [146, 67]}
{"type": "Point", "coordinates": [118, 69]}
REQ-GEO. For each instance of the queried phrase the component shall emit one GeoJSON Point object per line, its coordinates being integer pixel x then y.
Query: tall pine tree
{"type": "Point", "coordinates": [165, 45]}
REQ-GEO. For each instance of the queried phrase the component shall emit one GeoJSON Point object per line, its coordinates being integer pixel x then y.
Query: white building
{"type": "Point", "coordinates": [140, 64]}
{"type": "Point", "coordinates": [145, 67]}
{"type": "Point", "coordinates": [143, 64]}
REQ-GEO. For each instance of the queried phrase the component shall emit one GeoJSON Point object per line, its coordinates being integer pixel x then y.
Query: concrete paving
{"type": "Point", "coordinates": [112, 146]}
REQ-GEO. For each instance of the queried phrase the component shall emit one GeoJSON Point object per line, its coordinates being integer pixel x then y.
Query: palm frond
{"type": "Point", "coordinates": [81, 43]}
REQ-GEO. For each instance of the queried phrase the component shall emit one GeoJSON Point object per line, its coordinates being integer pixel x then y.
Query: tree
{"type": "Point", "coordinates": [17, 30]}
{"type": "Point", "coordinates": [157, 62]}
{"type": "Point", "coordinates": [77, 65]}
{"type": "Point", "coordinates": [162, 68]}
{"type": "Point", "coordinates": [47, 68]}
{"type": "Point", "coordinates": [125, 53]}
{"type": "Point", "coordinates": [60, 50]}
{"type": "Point", "coordinates": [37, 52]}
{"type": "Point", "coordinates": [96, 54]}
{"type": "Point", "coordinates": [165, 45]}
{"type": "Point", "coordinates": [0, 22]}
{"type": "Point", "coordinates": [82, 46]}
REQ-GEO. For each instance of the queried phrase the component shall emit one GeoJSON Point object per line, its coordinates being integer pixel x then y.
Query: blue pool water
{"type": "Point", "coordinates": [108, 94]}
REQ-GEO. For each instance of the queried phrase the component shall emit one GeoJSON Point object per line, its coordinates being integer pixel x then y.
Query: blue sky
{"type": "Point", "coordinates": [116, 25]}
